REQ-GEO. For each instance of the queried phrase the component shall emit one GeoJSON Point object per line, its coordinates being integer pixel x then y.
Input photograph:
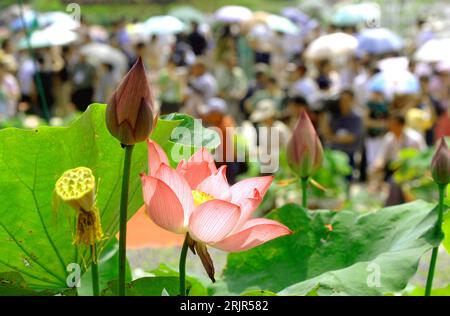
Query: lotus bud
{"type": "Point", "coordinates": [130, 114]}
{"type": "Point", "coordinates": [76, 187]}
{"type": "Point", "coordinates": [304, 150]}
{"type": "Point", "coordinates": [440, 165]}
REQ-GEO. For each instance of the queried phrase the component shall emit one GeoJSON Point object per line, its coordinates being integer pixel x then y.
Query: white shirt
{"type": "Point", "coordinates": [307, 88]}
{"type": "Point", "coordinates": [25, 76]}
{"type": "Point", "coordinates": [392, 145]}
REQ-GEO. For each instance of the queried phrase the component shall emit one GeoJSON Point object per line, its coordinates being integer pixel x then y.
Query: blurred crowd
{"type": "Point", "coordinates": [246, 75]}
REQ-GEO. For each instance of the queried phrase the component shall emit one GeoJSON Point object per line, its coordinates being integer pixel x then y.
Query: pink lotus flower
{"type": "Point", "coordinates": [304, 150]}
{"type": "Point", "coordinates": [440, 165]}
{"type": "Point", "coordinates": [197, 199]}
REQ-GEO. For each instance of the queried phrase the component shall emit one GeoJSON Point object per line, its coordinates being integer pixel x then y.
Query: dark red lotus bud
{"type": "Point", "coordinates": [130, 114]}
{"type": "Point", "coordinates": [440, 165]}
{"type": "Point", "coordinates": [304, 150]}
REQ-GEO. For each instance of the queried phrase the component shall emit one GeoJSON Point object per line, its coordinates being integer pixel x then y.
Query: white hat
{"type": "Point", "coordinates": [213, 105]}
{"type": "Point", "coordinates": [265, 109]}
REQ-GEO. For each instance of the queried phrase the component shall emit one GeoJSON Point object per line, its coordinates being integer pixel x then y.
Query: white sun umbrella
{"type": "Point", "coordinates": [281, 24]}
{"type": "Point", "coordinates": [98, 33]}
{"type": "Point", "coordinates": [58, 19]}
{"type": "Point", "coordinates": [393, 81]}
{"type": "Point", "coordinates": [49, 37]}
{"type": "Point", "coordinates": [233, 14]}
{"type": "Point", "coordinates": [137, 32]}
{"type": "Point", "coordinates": [331, 46]}
{"type": "Point", "coordinates": [98, 53]}
{"type": "Point", "coordinates": [434, 50]}
{"type": "Point", "coordinates": [163, 25]}
{"type": "Point", "coordinates": [394, 64]}
{"type": "Point", "coordinates": [354, 14]}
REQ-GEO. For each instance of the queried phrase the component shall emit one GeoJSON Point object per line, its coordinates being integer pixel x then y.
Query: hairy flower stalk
{"type": "Point", "coordinates": [130, 117]}
{"type": "Point", "coordinates": [304, 153]}
{"type": "Point", "coordinates": [440, 170]}
{"type": "Point", "coordinates": [76, 187]}
{"type": "Point", "coordinates": [196, 200]}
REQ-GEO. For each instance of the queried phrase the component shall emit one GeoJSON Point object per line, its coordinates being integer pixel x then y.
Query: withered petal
{"type": "Point", "coordinates": [207, 262]}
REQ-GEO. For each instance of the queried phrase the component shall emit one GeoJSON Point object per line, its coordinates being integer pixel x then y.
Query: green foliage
{"type": "Point", "coordinates": [36, 239]}
{"type": "Point", "coordinates": [332, 174]}
{"type": "Point", "coordinates": [258, 293]}
{"type": "Point", "coordinates": [412, 172]}
{"type": "Point", "coordinates": [148, 286]}
{"type": "Point", "coordinates": [343, 260]}
{"type": "Point", "coordinates": [107, 270]}
{"type": "Point", "coordinates": [184, 141]}
{"type": "Point", "coordinates": [195, 287]}
{"type": "Point", "coordinates": [446, 230]}
{"type": "Point", "coordinates": [13, 284]}
{"type": "Point", "coordinates": [419, 291]}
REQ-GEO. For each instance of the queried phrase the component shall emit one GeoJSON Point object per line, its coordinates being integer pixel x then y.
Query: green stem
{"type": "Point", "coordinates": [94, 270]}
{"type": "Point", "coordinates": [434, 253]}
{"type": "Point", "coordinates": [124, 218]}
{"type": "Point", "coordinates": [305, 192]}
{"type": "Point", "coordinates": [183, 266]}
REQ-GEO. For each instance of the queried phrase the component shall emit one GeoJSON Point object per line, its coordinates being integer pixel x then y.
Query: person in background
{"type": "Point", "coordinates": [108, 79]}
{"type": "Point", "coordinates": [83, 83]}
{"type": "Point", "coordinates": [197, 40]}
{"type": "Point", "coordinates": [201, 87]}
{"type": "Point", "coordinates": [261, 40]}
{"type": "Point", "coordinates": [376, 124]}
{"type": "Point", "coordinates": [302, 85]}
{"type": "Point", "coordinates": [9, 59]}
{"type": "Point", "coordinates": [279, 58]}
{"type": "Point", "coordinates": [232, 84]}
{"type": "Point", "coordinates": [140, 50]}
{"type": "Point", "coordinates": [170, 89]}
{"type": "Point", "coordinates": [259, 82]}
{"type": "Point", "coordinates": [342, 127]}
{"type": "Point", "coordinates": [25, 76]}
{"type": "Point", "coordinates": [271, 91]}
{"type": "Point", "coordinates": [442, 127]}
{"type": "Point", "coordinates": [272, 134]}
{"type": "Point", "coordinates": [295, 106]}
{"type": "Point", "coordinates": [399, 137]}
{"type": "Point", "coordinates": [43, 85]}
{"type": "Point", "coordinates": [352, 70]}
{"type": "Point", "coordinates": [361, 83]}
{"type": "Point", "coordinates": [245, 53]}
{"type": "Point", "coordinates": [63, 104]}
{"type": "Point", "coordinates": [214, 114]}
{"type": "Point", "coordinates": [327, 79]}
{"type": "Point", "coordinates": [9, 93]}
{"type": "Point", "coordinates": [430, 105]}
{"type": "Point", "coordinates": [156, 51]}
{"type": "Point", "coordinates": [225, 44]}
{"type": "Point", "coordinates": [120, 38]}
{"type": "Point", "coordinates": [182, 53]}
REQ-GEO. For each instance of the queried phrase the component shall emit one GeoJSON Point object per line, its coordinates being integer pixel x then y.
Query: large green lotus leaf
{"type": "Point", "coordinates": [13, 284]}
{"type": "Point", "coordinates": [343, 258]}
{"type": "Point", "coordinates": [36, 241]}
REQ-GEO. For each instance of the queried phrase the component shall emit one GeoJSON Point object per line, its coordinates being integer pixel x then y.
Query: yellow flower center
{"type": "Point", "coordinates": [201, 197]}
